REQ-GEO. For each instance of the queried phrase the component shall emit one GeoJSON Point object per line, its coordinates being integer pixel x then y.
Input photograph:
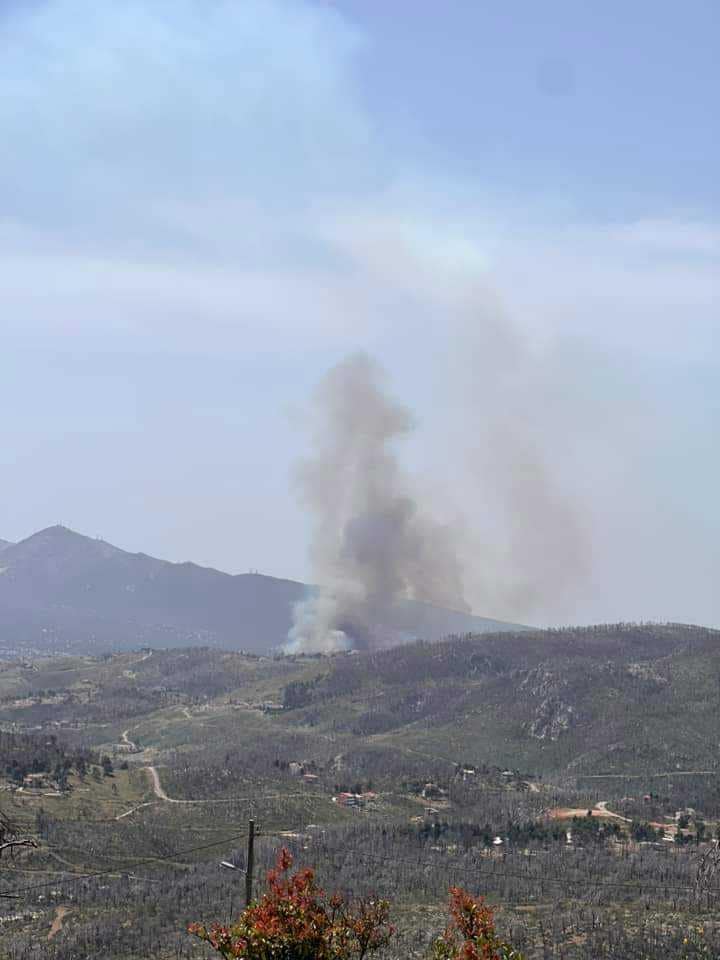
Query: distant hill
{"type": "Point", "coordinates": [61, 591]}
{"type": "Point", "coordinates": [619, 698]}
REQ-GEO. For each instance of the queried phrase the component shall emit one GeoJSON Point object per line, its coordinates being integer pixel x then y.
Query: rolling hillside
{"type": "Point", "coordinates": [62, 592]}
{"type": "Point", "coordinates": [609, 700]}
{"type": "Point", "coordinates": [398, 771]}
{"type": "Point", "coordinates": [600, 700]}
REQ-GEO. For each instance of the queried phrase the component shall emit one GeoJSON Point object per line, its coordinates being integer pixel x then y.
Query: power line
{"type": "Point", "coordinates": [546, 878]}
{"type": "Point", "coordinates": [360, 855]}
{"type": "Point", "coordinates": [114, 872]}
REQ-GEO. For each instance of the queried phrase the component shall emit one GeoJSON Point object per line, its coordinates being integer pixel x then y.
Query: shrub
{"type": "Point", "coordinates": [471, 932]}
{"type": "Point", "coordinates": [295, 920]}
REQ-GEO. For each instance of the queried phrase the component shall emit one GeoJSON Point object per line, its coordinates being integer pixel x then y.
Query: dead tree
{"type": "Point", "coordinates": [708, 867]}
{"type": "Point", "coordinates": [10, 840]}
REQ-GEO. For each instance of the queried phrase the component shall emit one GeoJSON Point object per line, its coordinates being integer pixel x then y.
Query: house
{"type": "Point", "coordinates": [310, 777]}
{"type": "Point", "coordinates": [349, 800]}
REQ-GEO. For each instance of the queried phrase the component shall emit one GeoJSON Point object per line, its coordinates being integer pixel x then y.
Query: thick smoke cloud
{"type": "Point", "coordinates": [373, 543]}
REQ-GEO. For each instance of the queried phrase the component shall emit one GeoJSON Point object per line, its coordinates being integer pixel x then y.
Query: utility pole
{"type": "Point", "coordinates": [250, 862]}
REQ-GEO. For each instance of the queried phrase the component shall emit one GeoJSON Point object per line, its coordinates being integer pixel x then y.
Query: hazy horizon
{"type": "Point", "coordinates": [207, 207]}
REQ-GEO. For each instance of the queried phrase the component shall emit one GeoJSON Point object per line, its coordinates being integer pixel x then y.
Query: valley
{"type": "Point", "coordinates": [570, 776]}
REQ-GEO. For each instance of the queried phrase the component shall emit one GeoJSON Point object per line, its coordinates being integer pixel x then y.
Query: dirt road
{"type": "Point", "coordinates": [602, 806]}
{"type": "Point", "coordinates": [599, 810]}
{"type": "Point", "coordinates": [60, 914]}
{"type": "Point", "coordinates": [128, 742]}
{"type": "Point", "coordinates": [161, 795]}
{"type": "Point", "coordinates": [121, 816]}
{"type": "Point", "coordinates": [158, 787]}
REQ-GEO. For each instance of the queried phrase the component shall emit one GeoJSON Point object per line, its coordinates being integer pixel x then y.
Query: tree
{"type": "Point", "coordinates": [471, 933]}
{"type": "Point", "coordinates": [295, 920]}
{"type": "Point", "coordinates": [9, 837]}
{"type": "Point", "coordinates": [643, 832]}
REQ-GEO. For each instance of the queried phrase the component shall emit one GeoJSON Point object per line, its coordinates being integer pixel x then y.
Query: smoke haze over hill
{"type": "Point", "coordinates": [373, 543]}
{"type": "Point", "coordinates": [376, 538]}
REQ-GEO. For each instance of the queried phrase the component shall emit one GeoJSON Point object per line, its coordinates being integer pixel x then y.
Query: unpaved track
{"type": "Point", "coordinates": [646, 776]}
{"type": "Point", "coordinates": [60, 914]}
{"type": "Point", "coordinates": [158, 787]}
{"type": "Point", "coordinates": [599, 810]}
{"type": "Point", "coordinates": [121, 816]}
{"type": "Point", "coordinates": [161, 795]}
{"type": "Point", "coordinates": [127, 741]}
{"type": "Point", "coordinates": [602, 805]}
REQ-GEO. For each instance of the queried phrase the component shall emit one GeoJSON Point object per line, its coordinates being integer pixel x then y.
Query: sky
{"type": "Point", "coordinates": [514, 208]}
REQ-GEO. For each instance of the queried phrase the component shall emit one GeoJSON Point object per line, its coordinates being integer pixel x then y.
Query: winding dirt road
{"type": "Point", "coordinates": [161, 795]}
{"type": "Point", "coordinates": [128, 742]}
{"type": "Point", "coordinates": [158, 787]}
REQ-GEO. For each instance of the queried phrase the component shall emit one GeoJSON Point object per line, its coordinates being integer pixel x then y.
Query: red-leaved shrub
{"type": "Point", "coordinates": [295, 920]}
{"type": "Point", "coordinates": [470, 935]}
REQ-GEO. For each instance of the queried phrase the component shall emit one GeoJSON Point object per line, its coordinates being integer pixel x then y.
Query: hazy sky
{"type": "Point", "coordinates": [515, 207]}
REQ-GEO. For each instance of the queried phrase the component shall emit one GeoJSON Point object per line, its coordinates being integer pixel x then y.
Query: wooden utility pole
{"type": "Point", "coordinates": [250, 863]}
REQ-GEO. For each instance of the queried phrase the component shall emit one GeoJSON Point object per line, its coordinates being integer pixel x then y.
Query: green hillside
{"type": "Point", "coordinates": [607, 699]}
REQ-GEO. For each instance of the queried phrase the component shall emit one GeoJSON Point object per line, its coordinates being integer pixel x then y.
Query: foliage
{"type": "Point", "coordinates": [644, 832]}
{"type": "Point", "coordinates": [471, 932]}
{"type": "Point", "coordinates": [24, 753]}
{"type": "Point", "coordinates": [295, 920]}
{"type": "Point", "coordinates": [298, 693]}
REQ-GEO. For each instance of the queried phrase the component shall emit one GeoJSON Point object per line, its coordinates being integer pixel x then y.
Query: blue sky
{"type": "Point", "coordinates": [514, 207]}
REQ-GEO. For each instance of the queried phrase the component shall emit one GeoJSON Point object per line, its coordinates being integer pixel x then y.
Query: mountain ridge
{"type": "Point", "coordinates": [61, 591]}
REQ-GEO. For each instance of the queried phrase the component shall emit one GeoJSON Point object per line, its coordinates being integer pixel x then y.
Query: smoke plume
{"type": "Point", "coordinates": [527, 426]}
{"type": "Point", "coordinates": [373, 544]}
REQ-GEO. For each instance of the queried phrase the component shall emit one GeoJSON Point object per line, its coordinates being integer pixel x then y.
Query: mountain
{"type": "Point", "coordinates": [3, 544]}
{"type": "Point", "coordinates": [61, 591]}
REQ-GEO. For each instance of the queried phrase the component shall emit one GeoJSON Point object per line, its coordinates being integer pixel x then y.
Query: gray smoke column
{"type": "Point", "coordinates": [373, 544]}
